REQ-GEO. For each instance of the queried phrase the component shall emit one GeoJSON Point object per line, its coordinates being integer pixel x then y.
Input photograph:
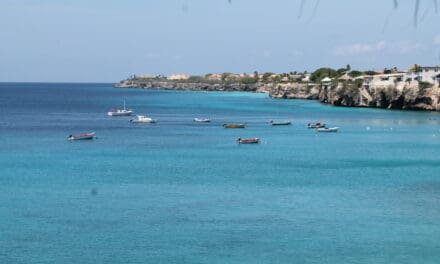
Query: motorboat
{"type": "Point", "coordinates": [84, 136]}
{"type": "Point", "coordinates": [142, 119]}
{"type": "Point", "coordinates": [202, 120]}
{"type": "Point", "coordinates": [248, 141]}
{"type": "Point", "coordinates": [316, 125]}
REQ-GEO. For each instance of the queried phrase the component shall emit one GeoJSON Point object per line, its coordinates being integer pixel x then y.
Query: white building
{"type": "Point", "coordinates": [382, 80]}
{"type": "Point", "coordinates": [429, 74]}
{"type": "Point", "coordinates": [178, 77]}
{"type": "Point", "coordinates": [306, 77]}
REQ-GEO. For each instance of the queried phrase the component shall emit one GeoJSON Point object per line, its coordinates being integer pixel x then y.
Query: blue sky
{"type": "Point", "coordinates": [107, 40]}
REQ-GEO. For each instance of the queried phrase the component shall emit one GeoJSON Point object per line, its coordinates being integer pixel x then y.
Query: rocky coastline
{"type": "Point", "coordinates": [402, 96]}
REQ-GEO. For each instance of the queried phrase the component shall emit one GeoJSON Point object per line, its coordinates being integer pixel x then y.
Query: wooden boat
{"type": "Point", "coordinates": [120, 112]}
{"type": "Point", "coordinates": [327, 129]}
{"type": "Point", "coordinates": [142, 119]}
{"type": "Point", "coordinates": [234, 125]}
{"type": "Point", "coordinates": [202, 120]}
{"type": "Point", "coordinates": [316, 125]}
{"type": "Point", "coordinates": [82, 136]}
{"type": "Point", "coordinates": [248, 141]}
{"type": "Point", "coordinates": [280, 123]}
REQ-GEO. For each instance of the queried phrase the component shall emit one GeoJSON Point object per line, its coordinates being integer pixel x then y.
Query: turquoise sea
{"type": "Point", "coordinates": [180, 192]}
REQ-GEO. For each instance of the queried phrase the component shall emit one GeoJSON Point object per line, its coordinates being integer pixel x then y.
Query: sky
{"type": "Point", "coordinates": [108, 40]}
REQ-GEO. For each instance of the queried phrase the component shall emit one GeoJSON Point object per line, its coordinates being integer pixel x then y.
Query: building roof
{"type": "Point", "coordinates": [345, 77]}
{"type": "Point", "coordinates": [326, 79]}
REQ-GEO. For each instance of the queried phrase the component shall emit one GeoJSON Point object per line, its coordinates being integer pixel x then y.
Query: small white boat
{"type": "Point", "coordinates": [143, 119]}
{"type": "Point", "coordinates": [120, 112]}
{"type": "Point", "coordinates": [327, 129]}
{"type": "Point", "coordinates": [202, 120]}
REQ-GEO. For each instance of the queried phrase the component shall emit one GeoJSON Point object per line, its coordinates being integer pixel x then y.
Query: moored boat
{"type": "Point", "coordinates": [248, 141]}
{"type": "Point", "coordinates": [316, 125]}
{"type": "Point", "coordinates": [234, 125]}
{"type": "Point", "coordinates": [143, 119]}
{"type": "Point", "coordinates": [202, 120]}
{"type": "Point", "coordinates": [82, 136]}
{"type": "Point", "coordinates": [280, 123]}
{"type": "Point", "coordinates": [327, 129]}
{"type": "Point", "coordinates": [120, 112]}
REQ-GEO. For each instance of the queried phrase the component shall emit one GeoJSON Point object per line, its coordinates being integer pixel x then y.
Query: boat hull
{"type": "Point", "coordinates": [248, 141]}
{"type": "Point", "coordinates": [234, 125]}
{"type": "Point", "coordinates": [280, 123]}
{"type": "Point", "coordinates": [331, 129]}
{"type": "Point", "coordinates": [143, 121]}
{"type": "Point", "coordinates": [87, 136]}
{"type": "Point", "coordinates": [122, 113]}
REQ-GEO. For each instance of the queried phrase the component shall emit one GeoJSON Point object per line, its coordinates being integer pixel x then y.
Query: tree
{"type": "Point", "coordinates": [370, 72]}
{"type": "Point", "coordinates": [321, 73]}
{"type": "Point", "coordinates": [348, 67]}
{"type": "Point", "coordinates": [267, 76]}
{"type": "Point", "coordinates": [387, 71]}
{"type": "Point", "coordinates": [417, 68]}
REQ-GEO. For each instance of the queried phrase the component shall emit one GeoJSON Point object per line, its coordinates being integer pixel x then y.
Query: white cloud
{"type": "Point", "coordinates": [437, 40]}
{"type": "Point", "coordinates": [359, 48]}
{"type": "Point", "coordinates": [404, 47]}
{"type": "Point", "coordinates": [395, 47]}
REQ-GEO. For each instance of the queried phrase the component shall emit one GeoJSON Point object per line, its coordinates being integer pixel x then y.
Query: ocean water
{"type": "Point", "coordinates": [180, 192]}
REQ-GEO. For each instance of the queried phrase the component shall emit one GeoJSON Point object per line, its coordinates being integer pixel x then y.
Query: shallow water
{"type": "Point", "coordinates": [181, 192]}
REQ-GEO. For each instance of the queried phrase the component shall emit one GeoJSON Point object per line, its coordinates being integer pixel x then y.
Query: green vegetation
{"type": "Point", "coordinates": [354, 74]}
{"type": "Point", "coordinates": [248, 80]}
{"type": "Point", "coordinates": [370, 72]}
{"type": "Point", "coordinates": [423, 86]}
{"type": "Point", "coordinates": [321, 73]}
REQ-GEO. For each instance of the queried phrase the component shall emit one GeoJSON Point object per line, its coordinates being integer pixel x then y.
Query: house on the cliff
{"type": "Point", "coordinates": [429, 74]}
{"type": "Point", "coordinates": [371, 82]}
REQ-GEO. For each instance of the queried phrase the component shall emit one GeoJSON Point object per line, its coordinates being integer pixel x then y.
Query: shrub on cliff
{"type": "Point", "coordinates": [248, 80]}
{"type": "Point", "coordinates": [423, 86]}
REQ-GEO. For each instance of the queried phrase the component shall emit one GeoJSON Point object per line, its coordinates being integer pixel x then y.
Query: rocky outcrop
{"type": "Point", "coordinates": [294, 91]}
{"type": "Point", "coordinates": [194, 86]}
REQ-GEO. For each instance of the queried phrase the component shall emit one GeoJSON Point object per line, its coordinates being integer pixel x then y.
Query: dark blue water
{"type": "Point", "coordinates": [180, 192]}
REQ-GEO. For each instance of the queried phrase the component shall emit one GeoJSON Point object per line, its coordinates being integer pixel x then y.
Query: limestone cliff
{"type": "Point", "coordinates": [402, 95]}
